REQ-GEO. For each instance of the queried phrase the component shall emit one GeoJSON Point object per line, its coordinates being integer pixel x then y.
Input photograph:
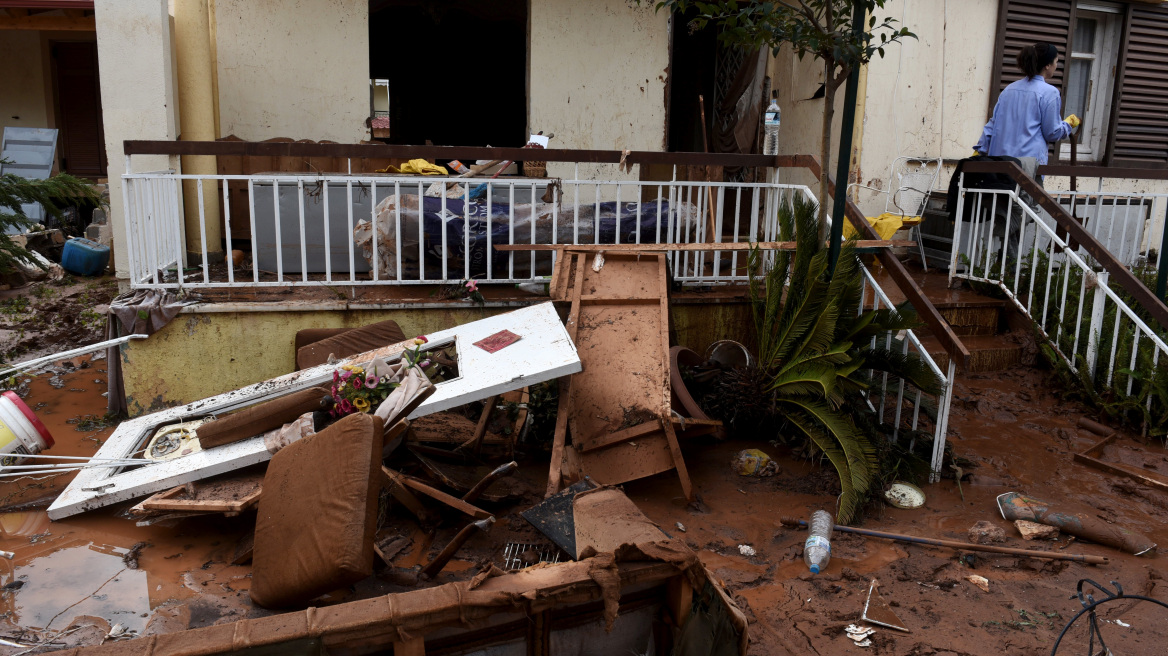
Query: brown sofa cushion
{"type": "Point", "coordinates": [350, 342]}
{"type": "Point", "coordinates": [313, 335]}
{"type": "Point", "coordinates": [259, 419]}
{"type": "Point", "coordinates": [318, 513]}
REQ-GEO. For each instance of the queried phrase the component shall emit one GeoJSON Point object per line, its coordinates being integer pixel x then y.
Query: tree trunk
{"type": "Point", "coordinates": [825, 148]}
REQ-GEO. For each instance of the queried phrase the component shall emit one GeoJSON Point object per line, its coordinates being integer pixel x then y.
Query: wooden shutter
{"type": "Point", "coordinates": [1140, 134]}
{"type": "Point", "coordinates": [1025, 22]}
{"type": "Point", "coordinates": [79, 108]}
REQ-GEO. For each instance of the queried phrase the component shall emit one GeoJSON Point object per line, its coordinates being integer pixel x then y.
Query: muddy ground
{"type": "Point", "coordinates": [49, 317]}
{"type": "Point", "coordinates": [75, 575]}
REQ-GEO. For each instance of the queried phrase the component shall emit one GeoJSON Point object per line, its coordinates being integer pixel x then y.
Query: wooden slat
{"type": "Point", "coordinates": [454, 502]}
{"type": "Point", "coordinates": [601, 441]}
{"type": "Point", "coordinates": [560, 436]}
{"type": "Point", "coordinates": [1022, 23]}
{"type": "Point", "coordinates": [1140, 134]}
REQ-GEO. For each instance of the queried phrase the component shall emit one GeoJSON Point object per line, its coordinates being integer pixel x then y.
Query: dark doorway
{"type": "Point", "coordinates": [75, 86]}
{"type": "Point", "coordinates": [691, 74]}
{"type": "Point", "coordinates": [457, 70]}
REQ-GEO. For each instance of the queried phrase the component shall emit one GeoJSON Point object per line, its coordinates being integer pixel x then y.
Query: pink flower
{"type": "Point", "coordinates": [345, 374]}
{"type": "Point", "coordinates": [472, 286]}
{"type": "Point", "coordinates": [335, 394]}
{"type": "Point", "coordinates": [345, 406]}
{"type": "Point", "coordinates": [420, 339]}
{"type": "Point", "coordinates": [425, 363]}
{"type": "Point", "coordinates": [336, 377]}
{"type": "Point", "coordinates": [371, 382]}
{"type": "Point", "coordinates": [356, 382]}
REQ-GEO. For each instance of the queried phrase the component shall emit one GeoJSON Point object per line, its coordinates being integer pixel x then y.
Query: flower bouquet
{"type": "Point", "coordinates": [356, 389]}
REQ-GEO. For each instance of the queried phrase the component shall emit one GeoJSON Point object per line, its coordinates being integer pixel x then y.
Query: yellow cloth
{"type": "Point", "coordinates": [885, 225]}
{"type": "Point", "coordinates": [416, 166]}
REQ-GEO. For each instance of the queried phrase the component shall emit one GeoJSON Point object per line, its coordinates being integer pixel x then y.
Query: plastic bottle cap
{"type": "Point", "coordinates": [815, 569]}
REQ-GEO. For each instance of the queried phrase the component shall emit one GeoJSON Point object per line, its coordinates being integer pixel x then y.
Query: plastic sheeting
{"type": "Point", "coordinates": [469, 231]}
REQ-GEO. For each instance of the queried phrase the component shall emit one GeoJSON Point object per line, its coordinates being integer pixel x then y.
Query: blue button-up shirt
{"type": "Point", "coordinates": [1025, 119]}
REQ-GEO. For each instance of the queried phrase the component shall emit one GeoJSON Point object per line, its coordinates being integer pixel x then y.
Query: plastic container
{"type": "Point", "coordinates": [21, 433]}
{"type": "Point", "coordinates": [83, 257]}
{"type": "Point", "coordinates": [817, 548]}
{"type": "Point", "coordinates": [770, 126]}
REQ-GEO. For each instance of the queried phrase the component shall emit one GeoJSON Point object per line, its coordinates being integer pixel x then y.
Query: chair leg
{"type": "Point", "coordinates": [920, 246]}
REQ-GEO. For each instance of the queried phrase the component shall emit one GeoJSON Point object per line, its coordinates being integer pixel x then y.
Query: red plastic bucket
{"type": "Point", "coordinates": [21, 433]}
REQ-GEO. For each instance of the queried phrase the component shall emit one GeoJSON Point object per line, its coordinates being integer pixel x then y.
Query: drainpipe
{"type": "Point", "coordinates": [192, 45]}
{"type": "Point", "coordinates": [844, 159]}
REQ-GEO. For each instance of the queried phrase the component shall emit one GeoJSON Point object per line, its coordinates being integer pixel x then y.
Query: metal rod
{"type": "Point", "coordinates": [33, 364]}
{"type": "Point", "coordinates": [955, 544]}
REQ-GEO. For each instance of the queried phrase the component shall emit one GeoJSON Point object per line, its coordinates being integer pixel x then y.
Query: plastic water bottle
{"type": "Point", "coordinates": [770, 127]}
{"type": "Point", "coordinates": [817, 548]}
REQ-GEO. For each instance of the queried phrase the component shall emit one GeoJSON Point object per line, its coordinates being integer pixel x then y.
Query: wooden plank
{"type": "Point", "coordinates": [721, 246]}
{"type": "Point", "coordinates": [679, 599]}
{"type": "Point", "coordinates": [476, 440]}
{"type": "Point", "coordinates": [666, 397]}
{"type": "Point", "coordinates": [438, 495]}
{"type": "Point", "coordinates": [53, 23]}
{"type": "Point", "coordinates": [546, 353]}
{"type": "Point", "coordinates": [395, 482]}
{"type": "Point", "coordinates": [464, 153]}
{"type": "Point", "coordinates": [561, 432]}
{"type": "Point", "coordinates": [1097, 448]}
{"type": "Point", "coordinates": [1123, 470]}
{"type": "Point", "coordinates": [625, 435]}
{"type": "Point", "coordinates": [169, 500]}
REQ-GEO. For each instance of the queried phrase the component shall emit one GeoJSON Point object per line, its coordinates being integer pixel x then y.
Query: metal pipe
{"type": "Point", "coordinates": [955, 544]}
{"type": "Point", "coordinates": [480, 487]}
{"type": "Point", "coordinates": [48, 359]}
{"type": "Point", "coordinates": [443, 557]}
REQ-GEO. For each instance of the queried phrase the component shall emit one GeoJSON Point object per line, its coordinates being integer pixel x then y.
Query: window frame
{"type": "Point", "coordinates": [1101, 88]}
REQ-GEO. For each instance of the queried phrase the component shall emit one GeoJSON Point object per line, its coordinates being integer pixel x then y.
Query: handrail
{"type": "Point", "coordinates": [1078, 233]}
{"type": "Point", "coordinates": [915, 295]}
{"type": "Point", "coordinates": [391, 151]}
{"type": "Point", "coordinates": [1064, 170]}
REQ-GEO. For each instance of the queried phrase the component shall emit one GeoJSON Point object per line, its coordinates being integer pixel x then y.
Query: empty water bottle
{"type": "Point", "coordinates": [817, 548]}
{"type": "Point", "coordinates": [770, 127]}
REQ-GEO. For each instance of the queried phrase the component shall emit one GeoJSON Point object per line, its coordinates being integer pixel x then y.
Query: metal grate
{"type": "Point", "coordinates": [517, 555]}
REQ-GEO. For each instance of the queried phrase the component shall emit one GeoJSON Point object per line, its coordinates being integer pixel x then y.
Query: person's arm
{"type": "Point", "coordinates": [987, 134]}
{"type": "Point", "coordinates": [1053, 128]}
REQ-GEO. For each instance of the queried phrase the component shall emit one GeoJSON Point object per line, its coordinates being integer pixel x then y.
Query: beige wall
{"type": "Point", "coordinates": [137, 95]}
{"type": "Point", "coordinates": [297, 69]}
{"type": "Point", "coordinates": [801, 127]}
{"type": "Point", "coordinates": [597, 76]}
{"type": "Point", "coordinates": [24, 81]}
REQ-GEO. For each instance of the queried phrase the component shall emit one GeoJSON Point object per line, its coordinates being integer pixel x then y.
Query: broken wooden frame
{"type": "Point", "coordinates": [628, 302]}
{"type": "Point", "coordinates": [544, 353]}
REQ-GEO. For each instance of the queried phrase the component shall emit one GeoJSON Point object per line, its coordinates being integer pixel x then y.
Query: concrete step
{"type": "Point", "coordinates": [974, 318]}
{"type": "Point", "coordinates": [987, 353]}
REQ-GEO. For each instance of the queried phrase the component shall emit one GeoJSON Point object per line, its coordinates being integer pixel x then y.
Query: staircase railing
{"type": "Point", "coordinates": [1087, 305]}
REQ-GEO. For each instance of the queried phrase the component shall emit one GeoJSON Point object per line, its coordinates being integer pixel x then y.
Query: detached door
{"type": "Point", "coordinates": [75, 80]}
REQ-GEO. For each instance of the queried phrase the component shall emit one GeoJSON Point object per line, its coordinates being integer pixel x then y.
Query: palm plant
{"type": "Point", "coordinates": [817, 351]}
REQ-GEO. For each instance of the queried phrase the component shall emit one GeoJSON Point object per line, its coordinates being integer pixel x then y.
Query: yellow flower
{"type": "Point", "coordinates": [358, 371]}
{"type": "Point", "coordinates": [361, 404]}
{"type": "Point", "coordinates": [347, 367]}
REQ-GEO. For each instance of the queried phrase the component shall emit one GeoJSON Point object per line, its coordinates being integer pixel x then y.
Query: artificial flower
{"type": "Point", "coordinates": [425, 363]}
{"type": "Point", "coordinates": [346, 374]}
{"type": "Point", "coordinates": [371, 381]}
{"type": "Point", "coordinates": [472, 286]}
{"type": "Point", "coordinates": [361, 404]}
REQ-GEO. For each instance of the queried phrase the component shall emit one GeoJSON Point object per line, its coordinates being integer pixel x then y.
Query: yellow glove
{"type": "Point", "coordinates": [1072, 121]}
{"type": "Point", "coordinates": [976, 154]}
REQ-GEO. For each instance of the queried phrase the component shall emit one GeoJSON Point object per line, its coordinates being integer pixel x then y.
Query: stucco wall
{"type": "Point", "coordinates": [801, 125]}
{"type": "Point", "coordinates": [597, 75]}
{"type": "Point", "coordinates": [137, 94]}
{"type": "Point", "coordinates": [23, 80]}
{"type": "Point", "coordinates": [295, 69]}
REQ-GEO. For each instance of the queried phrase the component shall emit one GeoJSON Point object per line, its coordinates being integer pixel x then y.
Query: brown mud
{"type": "Point", "coordinates": [49, 317]}
{"type": "Point", "coordinates": [1010, 426]}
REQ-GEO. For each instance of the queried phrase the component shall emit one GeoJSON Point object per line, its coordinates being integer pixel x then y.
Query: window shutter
{"type": "Point", "coordinates": [1140, 137]}
{"type": "Point", "coordinates": [1022, 23]}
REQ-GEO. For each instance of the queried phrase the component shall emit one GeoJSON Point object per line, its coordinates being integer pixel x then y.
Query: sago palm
{"type": "Point", "coordinates": [817, 350]}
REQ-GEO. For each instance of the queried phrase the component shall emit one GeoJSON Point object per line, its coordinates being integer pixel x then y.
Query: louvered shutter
{"type": "Point", "coordinates": [1140, 134]}
{"type": "Point", "coordinates": [1025, 22]}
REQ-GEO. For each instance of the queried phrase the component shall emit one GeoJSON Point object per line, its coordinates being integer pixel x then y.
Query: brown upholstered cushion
{"type": "Point", "coordinates": [259, 419]}
{"type": "Point", "coordinates": [352, 342]}
{"type": "Point", "coordinates": [318, 514]}
{"type": "Point", "coordinates": [314, 335]}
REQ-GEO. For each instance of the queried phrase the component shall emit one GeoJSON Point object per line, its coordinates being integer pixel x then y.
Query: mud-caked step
{"type": "Point", "coordinates": [973, 318]}
{"type": "Point", "coordinates": [987, 353]}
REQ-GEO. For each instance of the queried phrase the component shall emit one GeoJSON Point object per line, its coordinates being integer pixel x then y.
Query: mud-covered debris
{"type": "Point", "coordinates": [130, 558]}
{"type": "Point", "coordinates": [980, 581]}
{"type": "Point", "coordinates": [681, 527]}
{"type": "Point", "coordinates": [746, 550]}
{"type": "Point", "coordinates": [1036, 531]}
{"type": "Point", "coordinates": [984, 532]}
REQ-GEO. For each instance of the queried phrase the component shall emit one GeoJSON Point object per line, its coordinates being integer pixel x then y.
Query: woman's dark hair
{"type": "Point", "coordinates": [1032, 59]}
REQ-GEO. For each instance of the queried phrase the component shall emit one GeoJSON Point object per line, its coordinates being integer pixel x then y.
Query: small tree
{"type": "Point", "coordinates": [821, 28]}
{"type": "Point", "coordinates": [16, 191]}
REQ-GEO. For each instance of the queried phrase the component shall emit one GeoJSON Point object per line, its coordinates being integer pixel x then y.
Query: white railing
{"type": "Point", "coordinates": [1129, 224]}
{"type": "Point", "coordinates": [1000, 240]}
{"type": "Point", "coordinates": [373, 230]}
{"type": "Point", "coordinates": [904, 397]}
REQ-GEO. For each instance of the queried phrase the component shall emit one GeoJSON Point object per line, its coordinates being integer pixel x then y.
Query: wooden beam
{"type": "Point", "coordinates": [625, 435]}
{"type": "Point", "coordinates": [56, 23]}
{"type": "Point", "coordinates": [438, 495]}
{"type": "Point", "coordinates": [397, 487]}
{"type": "Point", "coordinates": [661, 248]}
{"type": "Point", "coordinates": [560, 436]}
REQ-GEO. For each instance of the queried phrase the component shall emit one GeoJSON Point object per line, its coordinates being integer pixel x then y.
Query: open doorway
{"type": "Point", "coordinates": [456, 71]}
{"type": "Point", "coordinates": [78, 107]}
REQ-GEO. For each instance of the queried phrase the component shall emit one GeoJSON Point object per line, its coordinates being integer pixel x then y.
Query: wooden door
{"type": "Point", "coordinates": [75, 81]}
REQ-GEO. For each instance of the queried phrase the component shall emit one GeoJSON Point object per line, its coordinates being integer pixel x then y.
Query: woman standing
{"type": "Point", "coordinates": [1026, 118]}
